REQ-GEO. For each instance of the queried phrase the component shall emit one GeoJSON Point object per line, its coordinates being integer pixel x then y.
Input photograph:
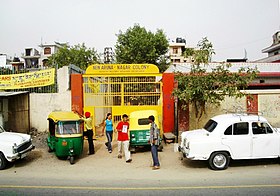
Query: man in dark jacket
{"type": "Point", "coordinates": [154, 141]}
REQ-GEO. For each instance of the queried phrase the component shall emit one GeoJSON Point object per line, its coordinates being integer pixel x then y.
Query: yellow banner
{"type": "Point", "coordinates": [27, 80]}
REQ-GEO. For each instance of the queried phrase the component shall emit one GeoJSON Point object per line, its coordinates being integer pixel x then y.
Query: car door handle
{"type": "Point", "coordinates": [255, 137]}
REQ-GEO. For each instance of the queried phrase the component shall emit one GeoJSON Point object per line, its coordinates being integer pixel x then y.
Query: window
{"type": "Point", "coordinates": [261, 128]}
{"type": "Point", "coordinates": [51, 127]}
{"type": "Point", "coordinates": [47, 50]}
{"type": "Point", "coordinates": [143, 121]}
{"type": "Point", "coordinates": [241, 128]}
{"type": "Point", "coordinates": [210, 125]}
{"type": "Point", "coordinates": [175, 50]}
{"type": "Point", "coordinates": [238, 129]}
{"type": "Point", "coordinates": [68, 127]}
{"type": "Point", "coordinates": [228, 130]}
{"type": "Point", "coordinates": [27, 52]}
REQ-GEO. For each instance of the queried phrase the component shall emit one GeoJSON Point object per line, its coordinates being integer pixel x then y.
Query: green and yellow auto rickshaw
{"type": "Point", "coordinates": [65, 137]}
{"type": "Point", "coordinates": [139, 128]}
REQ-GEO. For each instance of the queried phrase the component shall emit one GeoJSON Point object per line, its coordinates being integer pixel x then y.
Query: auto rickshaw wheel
{"type": "Point", "coordinates": [71, 160]}
{"type": "Point", "coordinates": [50, 150]}
{"type": "Point", "coordinates": [132, 149]}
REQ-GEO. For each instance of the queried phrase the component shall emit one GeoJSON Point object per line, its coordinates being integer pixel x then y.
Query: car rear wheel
{"type": "Point", "coordinates": [3, 161]}
{"type": "Point", "coordinates": [219, 161]}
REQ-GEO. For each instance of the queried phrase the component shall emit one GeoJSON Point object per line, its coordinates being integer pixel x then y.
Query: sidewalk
{"type": "Point", "coordinates": [102, 165]}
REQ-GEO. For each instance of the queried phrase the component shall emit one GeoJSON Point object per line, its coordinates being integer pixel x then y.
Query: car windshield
{"type": "Point", "coordinates": [68, 127]}
{"type": "Point", "coordinates": [210, 125]}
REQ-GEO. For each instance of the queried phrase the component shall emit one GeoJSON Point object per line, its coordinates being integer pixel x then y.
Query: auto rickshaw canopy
{"type": "Point", "coordinates": [63, 116]}
{"type": "Point", "coordinates": [138, 120]}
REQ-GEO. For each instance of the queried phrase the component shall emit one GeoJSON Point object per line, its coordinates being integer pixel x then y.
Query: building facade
{"type": "Point", "coordinates": [35, 59]}
{"type": "Point", "coordinates": [48, 50]}
{"type": "Point", "coordinates": [273, 51]}
{"type": "Point", "coordinates": [265, 86]}
{"type": "Point", "coordinates": [176, 51]}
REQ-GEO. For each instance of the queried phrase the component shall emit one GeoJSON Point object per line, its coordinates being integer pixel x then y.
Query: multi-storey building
{"type": "Point", "coordinates": [176, 51]}
{"type": "Point", "coordinates": [48, 50]}
{"type": "Point", "coordinates": [273, 50]}
{"type": "Point", "coordinates": [33, 59]}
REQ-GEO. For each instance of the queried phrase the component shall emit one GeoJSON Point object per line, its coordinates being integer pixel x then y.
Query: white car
{"type": "Point", "coordinates": [13, 146]}
{"type": "Point", "coordinates": [235, 136]}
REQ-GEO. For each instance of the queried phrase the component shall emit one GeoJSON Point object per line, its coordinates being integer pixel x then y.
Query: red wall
{"type": "Point", "coordinates": [77, 93]}
{"type": "Point", "coordinates": [183, 117]}
{"type": "Point", "coordinates": [168, 102]}
{"type": "Point", "coordinates": [252, 104]}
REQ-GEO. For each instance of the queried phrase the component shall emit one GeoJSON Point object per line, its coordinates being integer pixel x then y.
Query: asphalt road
{"type": "Point", "coordinates": [104, 174]}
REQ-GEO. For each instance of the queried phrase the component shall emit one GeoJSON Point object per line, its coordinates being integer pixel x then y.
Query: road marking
{"type": "Point", "coordinates": [139, 188]}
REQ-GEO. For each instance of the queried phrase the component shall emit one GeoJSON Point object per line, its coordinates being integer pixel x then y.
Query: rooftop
{"type": "Point", "coordinates": [262, 67]}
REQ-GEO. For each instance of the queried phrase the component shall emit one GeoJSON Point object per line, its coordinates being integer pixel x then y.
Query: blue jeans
{"type": "Point", "coordinates": [154, 150]}
{"type": "Point", "coordinates": [109, 135]}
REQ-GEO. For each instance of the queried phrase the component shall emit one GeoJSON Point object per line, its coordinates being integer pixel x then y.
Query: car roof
{"type": "Point", "coordinates": [237, 117]}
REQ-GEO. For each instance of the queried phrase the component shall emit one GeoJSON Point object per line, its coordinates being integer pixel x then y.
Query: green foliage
{"type": "Point", "coordinates": [188, 52]}
{"type": "Point", "coordinates": [201, 86]}
{"type": "Point", "coordinates": [78, 55]}
{"type": "Point", "coordinates": [137, 45]}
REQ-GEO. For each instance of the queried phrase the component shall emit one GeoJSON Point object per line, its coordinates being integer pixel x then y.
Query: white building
{"type": "Point", "coordinates": [31, 58]}
{"type": "Point", "coordinates": [5, 61]}
{"type": "Point", "coordinates": [48, 50]}
{"type": "Point", "coordinates": [35, 59]}
{"type": "Point", "coordinates": [273, 51]}
{"type": "Point", "coordinates": [176, 51]}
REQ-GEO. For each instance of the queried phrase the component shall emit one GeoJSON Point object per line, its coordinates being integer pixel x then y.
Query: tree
{"type": "Point", "coordinates": [200, 86]}
{"type": "Point", "coordinates": [78, 55]}
{"type": "Point", "coordinates": [137, 45]}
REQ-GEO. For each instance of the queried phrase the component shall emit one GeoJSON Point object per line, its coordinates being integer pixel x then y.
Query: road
{"type": "Point", "coordinates": [42, 173]}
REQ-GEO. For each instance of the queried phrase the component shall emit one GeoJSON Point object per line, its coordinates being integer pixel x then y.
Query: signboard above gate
{"type": "Point", "coordinates": [117, 69]}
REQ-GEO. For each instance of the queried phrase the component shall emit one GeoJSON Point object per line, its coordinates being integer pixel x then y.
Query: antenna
{"type": "Point", "coordinates": [245, 51]}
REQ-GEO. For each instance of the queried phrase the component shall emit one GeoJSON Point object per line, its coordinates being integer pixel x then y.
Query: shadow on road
{"type": "Point", "coordinates": [31, 157]}
{"type": "Point", "coordinates": [253, 162]}
{"type": "Point", "coordinates": [233, 163]}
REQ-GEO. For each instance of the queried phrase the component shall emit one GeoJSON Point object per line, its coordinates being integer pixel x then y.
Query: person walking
{"type": "Point", "coordinates": [108, 125]}
{"type": "Point", "coordinates": [123, 140]}
{"type": "Point", "coordinates": [88, 132]}
{"type": "Point", "coordinates": [154, 141]}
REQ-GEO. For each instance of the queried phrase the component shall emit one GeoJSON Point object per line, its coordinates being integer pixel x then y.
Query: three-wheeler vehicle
{"type": "Point", "coordinates": [65, 136]}
{"type": "Point", "coordinates": [139, 129]}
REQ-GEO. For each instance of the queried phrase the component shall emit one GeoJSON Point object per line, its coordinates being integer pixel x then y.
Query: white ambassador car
{"type": "Point", "coordinates": [231, 136]}
{"type": "Point", "coordinates": [13, 146]}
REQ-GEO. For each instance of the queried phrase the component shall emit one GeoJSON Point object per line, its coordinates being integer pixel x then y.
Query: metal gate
{"type": "Point", "coordinates": [121, 89]}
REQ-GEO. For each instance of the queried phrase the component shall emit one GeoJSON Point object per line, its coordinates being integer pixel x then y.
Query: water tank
{"type": "Point", "coordinates": [178, 40]}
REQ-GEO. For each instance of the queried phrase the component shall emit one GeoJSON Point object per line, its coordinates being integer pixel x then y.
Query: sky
{"type": "Point", "coordinates": [233, 26]}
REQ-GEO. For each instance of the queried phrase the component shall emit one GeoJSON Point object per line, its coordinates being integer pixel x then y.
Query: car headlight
{"type": "Point", "coordinates": [185, 142]}
{"type": "Point", "coordinates": [188, 145]}
{"type": "Point", "coordinates": [14, 148]}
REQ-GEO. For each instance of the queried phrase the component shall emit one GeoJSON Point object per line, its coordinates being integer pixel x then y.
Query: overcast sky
{"type": "Point", "coordinates": [231, 25]}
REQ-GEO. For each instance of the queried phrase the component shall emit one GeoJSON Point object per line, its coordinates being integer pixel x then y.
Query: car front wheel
{"type": "Point", "coordinates": [3, 161]}
{"type": "Point", "coordinates": [219, 161]}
